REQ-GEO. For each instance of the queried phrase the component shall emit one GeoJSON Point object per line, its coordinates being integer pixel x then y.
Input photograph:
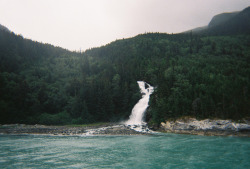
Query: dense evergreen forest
{"type": "Point", "coordinates": [203, 75]}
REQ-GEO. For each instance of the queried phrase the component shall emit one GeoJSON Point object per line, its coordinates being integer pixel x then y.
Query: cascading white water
{"type": "Point", "coordinates": [135, 121]}
{"type": "Point", "coordinates": [136, 117]}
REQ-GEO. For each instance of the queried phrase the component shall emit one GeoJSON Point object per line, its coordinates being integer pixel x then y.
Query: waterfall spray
{"type": "Point", "coordinates": [136, 117]}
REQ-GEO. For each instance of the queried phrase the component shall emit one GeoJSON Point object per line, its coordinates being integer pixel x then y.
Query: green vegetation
{"type": "Point", "coordinates": [211, 82]}
{"type": "Point", "coordinates": [49, 85]}
{"type": "Point", "coordinates": [194, 74]}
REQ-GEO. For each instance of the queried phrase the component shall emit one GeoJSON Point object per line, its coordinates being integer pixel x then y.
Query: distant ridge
{"type": "Point", "coordinates": [227, 24]}
{"type": "Point", "coordinates": [201, 76]}
{"type": "Point", "coordinates": [4, 28]}
{"type": "Point", "coordinates": [221, 18]}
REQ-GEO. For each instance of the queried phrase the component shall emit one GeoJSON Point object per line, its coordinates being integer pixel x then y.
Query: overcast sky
{"type": "Point", "coordinates": [75, 24]}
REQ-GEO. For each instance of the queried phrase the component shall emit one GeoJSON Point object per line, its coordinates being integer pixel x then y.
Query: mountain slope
{"type": "Point", "coordinates": [194, 74]}
{"type": "Point", "coordinates": [227, 24]}
{"type": "Point", "coordinates": [28, 75]}
{"type": "Point", "coordinates": [221, 18]}
{"type": "Point", "coordinates": [4, 28]}
{"type": "Point", "coordinates": [237, 24]}
{"type": "Point", "coordinates": [44, 84]}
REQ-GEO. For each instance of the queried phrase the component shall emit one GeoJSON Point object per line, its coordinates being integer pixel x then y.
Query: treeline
{"type": "Point", "coordinates": [209, 80]}
{"type": "Point", "coordinates": [194, 75]}
{"type": "Point", "coordinates": [40, 83]}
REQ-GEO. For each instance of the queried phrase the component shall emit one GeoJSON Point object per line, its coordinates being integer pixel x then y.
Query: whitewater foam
{"type": "Point", "coordinates": [136, 119]}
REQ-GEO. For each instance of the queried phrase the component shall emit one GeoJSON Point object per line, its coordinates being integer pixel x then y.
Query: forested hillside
{"type": "Point", "coordinates": [198, 75]}
{"type": "Point", "coordinates": [194, 75]}
{"type": "Point", "coordinates": [44, 84]}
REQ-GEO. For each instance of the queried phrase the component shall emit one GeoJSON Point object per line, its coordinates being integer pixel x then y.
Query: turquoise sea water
{"type": "Point", "coordinates": [140, 152]}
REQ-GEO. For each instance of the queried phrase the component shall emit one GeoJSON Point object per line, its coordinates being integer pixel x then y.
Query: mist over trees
{"type": "Point", "coordinates": [198, 75]}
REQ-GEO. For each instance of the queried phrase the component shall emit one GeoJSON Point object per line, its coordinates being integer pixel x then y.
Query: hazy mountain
{"type": "Point", "coordinates": [195, 75]}
{"type": "Point", "coordinates": [221, 18]}
{"type": "Point", "coordinates": [197, 30]}
{"type": "Point", "coordinates": [4, 28]}
{"type": "Point", "coordinates": [227, 24]}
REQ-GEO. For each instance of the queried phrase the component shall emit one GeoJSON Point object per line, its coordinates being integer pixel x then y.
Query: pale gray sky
{"type": "Point", "coordinates": [75, 24]}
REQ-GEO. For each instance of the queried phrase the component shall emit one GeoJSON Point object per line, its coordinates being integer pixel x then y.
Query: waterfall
{"type": "Point", "coordinates": [136, 117]}
{"type": "Point", "coordinates": [135, 121]}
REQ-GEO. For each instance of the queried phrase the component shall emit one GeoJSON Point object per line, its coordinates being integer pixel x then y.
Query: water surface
{"type": "Point", "coordinates": [162, 151]}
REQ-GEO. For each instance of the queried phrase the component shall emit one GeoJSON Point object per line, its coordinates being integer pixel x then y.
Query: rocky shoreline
{"type": "Point", "coordinates": [206, 127]}
{"type": "Point", "coordinates": [107, 129]}
{"type": "Point", "coordinates": [192, 126]}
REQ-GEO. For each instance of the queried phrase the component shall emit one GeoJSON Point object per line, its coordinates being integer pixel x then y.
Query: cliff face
{"type": "Point", "coordinates": [221, 18]}
{"type": "Point", "coordinates": [206, 127]}
{"type": "Point", "coordinates": [4, 28]}
{"type": "Point", "coordinates": [231, 23]}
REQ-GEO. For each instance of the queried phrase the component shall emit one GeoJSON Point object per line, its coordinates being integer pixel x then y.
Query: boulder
{"type": "Point", "coordinates": [192, 125]}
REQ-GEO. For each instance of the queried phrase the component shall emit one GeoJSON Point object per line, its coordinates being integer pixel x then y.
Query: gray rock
{"type": "Point", "coordinates": [205, 125]}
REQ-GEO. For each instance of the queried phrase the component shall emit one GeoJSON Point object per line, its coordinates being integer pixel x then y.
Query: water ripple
{"type": "Point", "coordinates": [163, 151]}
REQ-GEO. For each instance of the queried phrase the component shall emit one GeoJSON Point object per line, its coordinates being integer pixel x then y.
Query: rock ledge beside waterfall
{"type": "Point", "coordinates": [206, 127]}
